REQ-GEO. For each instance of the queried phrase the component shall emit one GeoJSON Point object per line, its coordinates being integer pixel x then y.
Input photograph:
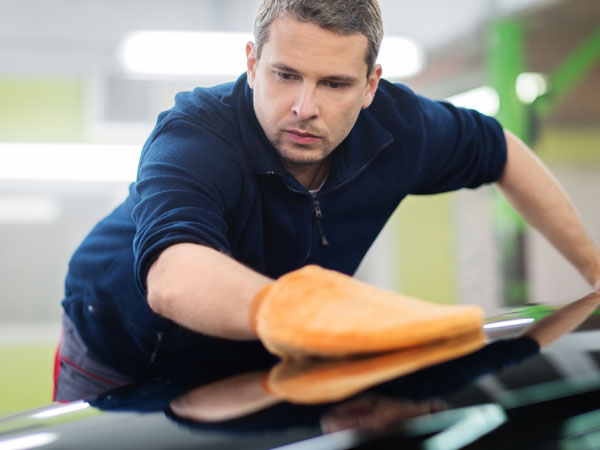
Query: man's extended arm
{"type": "Point", "coordinates": [538, 197]}
{"type": "Point", "coordinates": [204, 290]}
{"type": "Point", "coordinates": [211, 293]}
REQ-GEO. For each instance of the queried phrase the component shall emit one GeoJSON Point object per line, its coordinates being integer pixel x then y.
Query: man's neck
{"type": "Point", "coordinates": [310, 176]}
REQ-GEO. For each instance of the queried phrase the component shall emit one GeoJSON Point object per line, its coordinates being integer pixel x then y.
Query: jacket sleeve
{"type": "Point", "coordinates": [188, 180]}
{"type": "Point", "coordinates": [459, 148]}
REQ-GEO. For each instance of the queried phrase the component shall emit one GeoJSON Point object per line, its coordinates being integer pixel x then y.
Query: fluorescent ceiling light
{"type": "Point", "coordinates": [222, 54]}
{"type": "Point", "coordinates": [185, 53]}
{"type": "Point", "coordinates": [400, 57]}
{"type": "Point", "coordinates": [530, 86]}
{"type": "Point", "coordinates": [68, 162]}
{"type": "Point", "coordinates": [484, 99]}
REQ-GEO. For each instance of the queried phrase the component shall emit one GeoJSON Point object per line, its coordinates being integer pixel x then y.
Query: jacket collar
{"type": "Point", "coordinates": [366, 139]}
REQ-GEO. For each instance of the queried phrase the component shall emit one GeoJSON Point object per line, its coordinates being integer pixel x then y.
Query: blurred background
{"type": "Point", "coordinates": [81, 84]}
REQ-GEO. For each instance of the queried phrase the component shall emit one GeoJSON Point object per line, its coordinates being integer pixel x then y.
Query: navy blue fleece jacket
{"type": "Point", "coordinates": [208, 175]}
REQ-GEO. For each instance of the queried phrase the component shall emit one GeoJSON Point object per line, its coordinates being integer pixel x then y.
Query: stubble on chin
{"type": "Point", "coordinates": [297, 155]}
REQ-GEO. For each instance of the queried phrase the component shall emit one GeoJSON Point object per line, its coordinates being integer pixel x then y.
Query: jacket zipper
{"type": "Point", "coordinates": [316, 207]}
{"type": "Point", "coordinates": [319, 216]}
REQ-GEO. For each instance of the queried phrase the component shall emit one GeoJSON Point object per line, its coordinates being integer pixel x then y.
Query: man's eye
{"type": "Point", "coordinates": [335, 85]}
{"type": "Point", "coordinates": [285, 76]}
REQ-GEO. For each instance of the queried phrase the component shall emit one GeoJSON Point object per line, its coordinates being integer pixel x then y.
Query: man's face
{"type": "Point", "coordinates": [309, 87]}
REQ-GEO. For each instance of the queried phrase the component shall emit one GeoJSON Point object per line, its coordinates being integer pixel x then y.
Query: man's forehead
{"type": "Point", "coordinates": [292, 42]}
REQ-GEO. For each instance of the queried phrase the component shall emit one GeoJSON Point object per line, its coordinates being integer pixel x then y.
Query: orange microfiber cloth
{"type": "Point", "coordinates": [317, 312]}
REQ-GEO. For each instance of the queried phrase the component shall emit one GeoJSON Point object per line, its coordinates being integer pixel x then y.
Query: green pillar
{"type": "Point", "coordinates": [505, 61]}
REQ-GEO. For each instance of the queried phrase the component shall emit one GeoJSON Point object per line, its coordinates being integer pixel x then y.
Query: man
{"type": "Point", "coordinates": [300, 161]}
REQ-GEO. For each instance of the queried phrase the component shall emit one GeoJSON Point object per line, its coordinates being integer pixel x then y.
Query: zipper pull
{"type": "Point", "coordinates": [319, 216]}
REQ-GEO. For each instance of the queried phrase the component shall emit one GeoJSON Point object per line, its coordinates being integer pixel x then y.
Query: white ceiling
{"type": "Point", "coordinates": [74, 37]}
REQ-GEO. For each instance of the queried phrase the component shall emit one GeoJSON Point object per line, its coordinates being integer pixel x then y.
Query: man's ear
{"type": "Point", "coordinates": [251, 63]}
{"type": "Point", "coordinates": [372, 84]}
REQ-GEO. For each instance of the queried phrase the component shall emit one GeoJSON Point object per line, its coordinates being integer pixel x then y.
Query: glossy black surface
{"type": "Point", "coordinates": [504, 395]}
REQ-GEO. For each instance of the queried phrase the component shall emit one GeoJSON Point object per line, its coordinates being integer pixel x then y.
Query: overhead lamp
{"type": "Point", "coordinates": [484, 99]}
{"type": "Point", "coordinates": [221, 54]}
{"type": "Point", "coordinates": [400, 58]}
{"type": "Point", "coordinates": [530, 86]}
{"type": "Point", "coordinates": [184, 53]}
{"type": "Point", "coordinates": [68, 162]}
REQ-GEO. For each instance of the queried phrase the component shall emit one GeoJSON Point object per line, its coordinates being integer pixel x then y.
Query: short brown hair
{"type": "Point", "coordinates": [341, 16]}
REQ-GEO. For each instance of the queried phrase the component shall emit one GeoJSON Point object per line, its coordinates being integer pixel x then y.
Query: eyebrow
{"type": "Point", "coordinates": [337, 78]}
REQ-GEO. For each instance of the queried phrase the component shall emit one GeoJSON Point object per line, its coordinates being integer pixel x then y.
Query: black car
{"type": "Point", "coordinates": [501, 393]}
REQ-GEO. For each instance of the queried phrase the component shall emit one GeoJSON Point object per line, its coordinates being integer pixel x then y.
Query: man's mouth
{"type": "Point", "coordinates": [302, 137]}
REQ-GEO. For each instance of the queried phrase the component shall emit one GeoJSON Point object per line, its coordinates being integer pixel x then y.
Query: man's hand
{"type": "Point", "coordinates": [539, 198]}
{"type": "Point", "coordinates": [317, 312]}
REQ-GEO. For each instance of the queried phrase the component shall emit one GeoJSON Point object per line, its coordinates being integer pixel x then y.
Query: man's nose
{"type": "Point", "coordinates": [306, 106]}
